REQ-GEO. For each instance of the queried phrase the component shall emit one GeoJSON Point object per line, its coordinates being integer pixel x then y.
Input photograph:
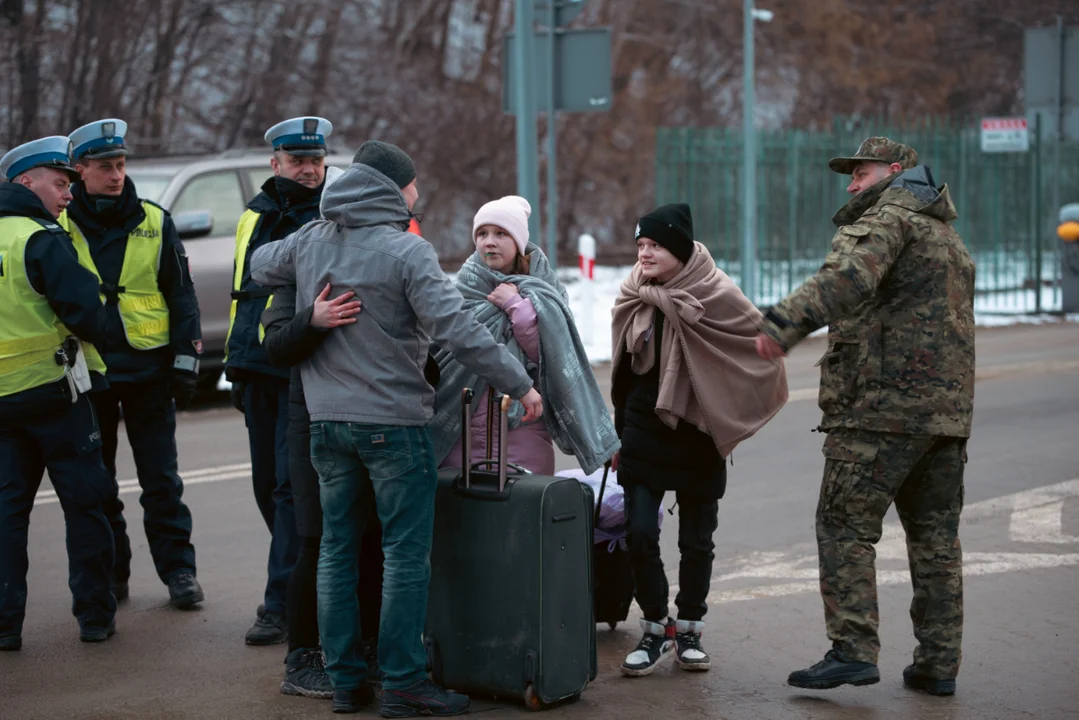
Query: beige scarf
{"type": "Point", "coordinates": [709, 372]}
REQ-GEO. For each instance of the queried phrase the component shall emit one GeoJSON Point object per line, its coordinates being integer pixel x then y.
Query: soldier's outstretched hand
{"type": "Point", "coordinates": [768, 348]}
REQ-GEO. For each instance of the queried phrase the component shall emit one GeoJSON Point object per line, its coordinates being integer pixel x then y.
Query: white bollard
{"type": "Point", "coordinates": [586, 260]}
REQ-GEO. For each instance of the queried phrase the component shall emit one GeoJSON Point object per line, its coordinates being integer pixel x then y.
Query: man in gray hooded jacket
{"type": "Point", "coordinates": [369, 403]}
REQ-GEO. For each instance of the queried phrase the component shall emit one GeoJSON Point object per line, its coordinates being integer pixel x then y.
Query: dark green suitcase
{"type": "Point", "coordinates": [510, 603]}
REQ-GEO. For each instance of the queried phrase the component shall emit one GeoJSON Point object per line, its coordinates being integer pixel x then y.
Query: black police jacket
{"type": "Point", "coordinates": [53, 269]}
{"type": "Point", "coordinates": [284, 207]}
{"type": "Point", "coordinates": [105, 223]}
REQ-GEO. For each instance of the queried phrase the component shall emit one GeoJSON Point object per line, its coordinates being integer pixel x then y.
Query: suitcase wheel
{"type": "Point", "coordinates": [532, 700]}
{"type": "Point", "coordinates": [612, 625]}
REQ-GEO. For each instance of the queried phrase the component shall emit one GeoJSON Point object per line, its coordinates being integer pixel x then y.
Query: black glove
{"type": "Point", "coordinates": [183, 386]}
{"type": "Point", "coordinates": [237, 396]}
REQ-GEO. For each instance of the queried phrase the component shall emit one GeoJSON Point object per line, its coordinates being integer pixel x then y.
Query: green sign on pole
{"type": "Point", "coordinates": [551, 70]}
{"type": "Point", "coordinates": [582, 69]}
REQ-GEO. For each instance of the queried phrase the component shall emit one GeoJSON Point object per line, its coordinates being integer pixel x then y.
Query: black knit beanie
{"type": "Point", "coordinates": [390, 160]}
{"type": "Point", "coordinates": [672, 227]}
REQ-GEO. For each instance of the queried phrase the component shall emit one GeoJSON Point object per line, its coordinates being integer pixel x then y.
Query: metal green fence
{"type": "Point", "coordinates": [1003, 200]}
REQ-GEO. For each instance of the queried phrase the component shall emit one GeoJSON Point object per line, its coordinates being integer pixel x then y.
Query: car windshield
{"type": "Point", "coordinates": [150, 184]}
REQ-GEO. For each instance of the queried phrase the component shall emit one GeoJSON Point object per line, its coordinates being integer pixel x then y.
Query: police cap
{"type": "Point", "coordinates": [53, 151]}
{"type": "Point", "coordinates": [301, 136]}
{"type": "Point", "coordinates": [99, 139]}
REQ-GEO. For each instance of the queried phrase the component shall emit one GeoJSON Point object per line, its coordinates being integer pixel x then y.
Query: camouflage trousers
{"type": "Point", "coordinates": [865, 472]}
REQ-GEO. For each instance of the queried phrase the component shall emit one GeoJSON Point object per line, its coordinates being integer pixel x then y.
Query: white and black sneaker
{"type": "Point", "coordinates": [658, 640]}
{"type": "Point", "coordinates": [688, 652]}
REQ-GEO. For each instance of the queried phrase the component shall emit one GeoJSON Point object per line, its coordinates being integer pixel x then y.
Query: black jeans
{"type": "Point", "coordinates": [266, 400]}
{"type": "Point", "coordinates": [697, 523]}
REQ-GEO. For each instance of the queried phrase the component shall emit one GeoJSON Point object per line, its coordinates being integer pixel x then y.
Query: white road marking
{"type": "Point", "coordinates": [973, 564]}
{"type": "Point", "coordinates": [190, 477]}
{"type": "Point", "coordinates": [1036, 517]}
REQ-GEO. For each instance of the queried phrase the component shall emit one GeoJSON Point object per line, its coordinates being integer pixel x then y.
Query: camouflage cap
{"type": "Point", "coordinates": [876, 149]}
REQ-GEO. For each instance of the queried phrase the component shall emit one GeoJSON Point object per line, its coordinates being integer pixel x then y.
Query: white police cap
{"type": "Point", "coordinates": [301, 136]}
{"type": "Point", "coordinates": [53, 151]}
{"type": "Point", "coordinates": [99, 139]}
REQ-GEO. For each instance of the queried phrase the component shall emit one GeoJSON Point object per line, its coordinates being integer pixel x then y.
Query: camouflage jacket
{"type": "Point", "coordinates": [897, 294]}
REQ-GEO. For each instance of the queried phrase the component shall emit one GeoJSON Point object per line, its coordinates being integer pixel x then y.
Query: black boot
{"type": "Point", "coordinates": [97, 634]}
{"type": "Point", "coordinates": [305, 674]}
{"type": "Point", "coordinates": [269, 629]}
{"type": "Point", "coordinates": [185, 591]}
{"type": "Point", "coordinates": [919, 681]}
{"type": "Point", "coordinates": [835, 670]}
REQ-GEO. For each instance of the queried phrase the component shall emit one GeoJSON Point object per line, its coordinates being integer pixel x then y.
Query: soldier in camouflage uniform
{"type": "Point", "coordinates": [896, 390]}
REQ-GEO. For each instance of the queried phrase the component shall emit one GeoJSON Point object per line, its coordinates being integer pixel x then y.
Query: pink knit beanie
{"type": "Point", "coordinates": [509, 213]}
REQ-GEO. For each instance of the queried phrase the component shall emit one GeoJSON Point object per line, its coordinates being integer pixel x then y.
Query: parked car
{"type": "Point", "coordinates": [206, 195]}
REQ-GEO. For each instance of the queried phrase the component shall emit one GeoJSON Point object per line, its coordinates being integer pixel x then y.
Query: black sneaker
{"type": "Point", "coordinates": [97, 634]}
{"type": "Point", "coordinates": [919, 681]}
{"type": "Point", "coordinates": [120, 590]}
{"type": "Point", "coordinates": [269, 629]}
{"type": "Point", "coordinates": [657, 641]}
{"type": "Point", "coordinates": [689, 655]}
{"type": "Point", "coordinates": [352, 701]}
{"type": "Point", "coordinates": [305, 674]}
{"type": "Point", "coordinates": [835, 670]}
{"type": "Point", "coordinates": [423, 698]}
{"type": "Point", "coordinates": [370, 655]}
{"type": "Point", "coordinates": [185, 591]}
{"type": "Point", "coordinates": [10, 643]}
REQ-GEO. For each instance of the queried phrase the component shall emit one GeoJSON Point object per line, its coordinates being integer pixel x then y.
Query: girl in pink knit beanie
{"type": "Point", "coordinates": [500, 232]}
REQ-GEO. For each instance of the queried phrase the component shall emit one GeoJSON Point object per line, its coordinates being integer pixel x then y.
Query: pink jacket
{"type": "Point", "coordinates": [530, 445]}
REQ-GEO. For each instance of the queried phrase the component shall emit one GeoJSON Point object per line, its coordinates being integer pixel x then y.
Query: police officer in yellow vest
{"type": "Point", "coordinates": [48, 300]}
{"type": "Point", "coordinates": [152, 347]}
{"type": "Point", "coordinates": [288, 201]}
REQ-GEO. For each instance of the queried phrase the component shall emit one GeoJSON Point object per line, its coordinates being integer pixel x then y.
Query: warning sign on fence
{"type": "Point", "coordinates": [1005, 135]}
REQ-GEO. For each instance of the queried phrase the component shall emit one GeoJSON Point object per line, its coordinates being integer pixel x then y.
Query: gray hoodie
{"type": "Point", "coordinates": [372, 371]}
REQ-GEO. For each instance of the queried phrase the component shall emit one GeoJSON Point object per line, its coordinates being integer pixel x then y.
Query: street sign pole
{"type": "Point", "coordinates": [527, 178]}
{"type": "Point", "coordinates": [552, 147]}
{"type": "Point", "coordinates": [749, 164]}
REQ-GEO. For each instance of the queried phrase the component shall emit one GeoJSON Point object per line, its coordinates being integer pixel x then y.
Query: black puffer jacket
{"type": "Point", "coordinates": [683, 459]}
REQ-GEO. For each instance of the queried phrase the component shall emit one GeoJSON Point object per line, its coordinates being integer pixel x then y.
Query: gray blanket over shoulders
{"type": "Point", "coordinates": [574, 412]}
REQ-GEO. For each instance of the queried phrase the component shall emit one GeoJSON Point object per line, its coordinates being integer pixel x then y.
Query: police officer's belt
{"type": "Point", "coordinates": [112, 291]}
{"type": "Point", "coordinates": [251, 294]}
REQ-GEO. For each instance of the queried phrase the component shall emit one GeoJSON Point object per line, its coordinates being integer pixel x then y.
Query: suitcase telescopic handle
{"type": "Point", "coordinates": [466, 432]}
{"type": "Point", "coordinates": [502, 464]}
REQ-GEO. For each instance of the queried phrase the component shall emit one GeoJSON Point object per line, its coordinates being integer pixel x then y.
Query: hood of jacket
{"type": "Point", "coordinates": [912, 189]}
{"type": "Point", "coordinates": [20, 201]}
{"type": "Point", "coordinates": [362, 197]}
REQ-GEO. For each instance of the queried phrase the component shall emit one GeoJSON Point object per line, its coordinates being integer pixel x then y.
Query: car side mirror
{"type": "Point", "coordinates": [193, 224]}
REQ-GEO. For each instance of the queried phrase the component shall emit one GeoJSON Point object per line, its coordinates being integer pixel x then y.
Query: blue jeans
{"type": "Point", "coordinates": [393, 467]}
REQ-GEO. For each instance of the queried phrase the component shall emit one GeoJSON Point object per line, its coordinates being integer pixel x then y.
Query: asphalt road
{"type": "Point", "coordinates": [1020, 536]}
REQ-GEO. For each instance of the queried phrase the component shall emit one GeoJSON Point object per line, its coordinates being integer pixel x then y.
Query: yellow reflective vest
{"type": "Point", "coordinates": [245, 230]}
{"type": "Point", "coordinates": [31, 333]}
{"type": "Point", "coordinates": [143, 310]}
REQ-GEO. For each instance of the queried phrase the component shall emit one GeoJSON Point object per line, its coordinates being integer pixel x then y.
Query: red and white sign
{"type": "Point", "coordinates": [1005, 134]}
